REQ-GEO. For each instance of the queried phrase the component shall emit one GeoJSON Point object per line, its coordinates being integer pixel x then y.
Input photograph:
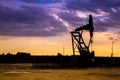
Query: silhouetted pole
{"type": "Point", "coordinates": [112, 49]}
{"type": "Point", "coordinates": [63, 50]}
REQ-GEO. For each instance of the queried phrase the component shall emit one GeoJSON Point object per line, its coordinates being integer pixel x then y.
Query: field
{"type": "Point", "coordinates": [26, 72]}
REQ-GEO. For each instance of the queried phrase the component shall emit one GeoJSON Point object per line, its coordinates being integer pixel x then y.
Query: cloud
{"type": "Point", "coordinates": [53, 17]}
{"type": "Point", "coordinates": [115, 37]}
{"type": "Point", "coordinates": [71, 18]}
{"type": "Point", "coordinates": [28, 21]}
{"type": "Point", "coordinates": [43, 1]}
{"type": "Point", "coordinates": [105, 14]}
{"type": "Point", "coordinates": [25, 14]}
{"type": "Point", "coordinates": [29, 1]}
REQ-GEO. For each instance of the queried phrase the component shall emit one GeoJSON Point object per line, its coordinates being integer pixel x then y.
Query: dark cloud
{"type": "Point", "coordinates": [115, 37]}
{"type": "Point", "coordinates": [32, 20]}
{"type": "Point", "coordinates": [111, 38]}
{"type": "Point", "coordinates": [82, 5]}
{"type": "Point", "coordinates": [28, 21]}
{"type": "Point", "coordinates": [112, 8]}
{"type": "Point", "coordinates": [24, 14]}
{"type": "Point", "coordinates": [92, 5]}
{"type": "Point", "coordinates": [71, 18]}
{"type": "Point", "coordinates": [29, 1]}
{"type": "Point", "coordinates": [43, 1]}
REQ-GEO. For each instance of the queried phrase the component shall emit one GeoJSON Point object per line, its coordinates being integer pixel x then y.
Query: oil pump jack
{"type": "Point", "coordinates": [78, 43]}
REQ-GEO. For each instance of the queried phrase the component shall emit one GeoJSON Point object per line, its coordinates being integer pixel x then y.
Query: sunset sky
{"type": "Point", "coordinates": [42, 27]}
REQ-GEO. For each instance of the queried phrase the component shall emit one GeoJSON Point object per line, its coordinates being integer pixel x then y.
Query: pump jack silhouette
{"type": "Point", "coordinates": [78, 43]}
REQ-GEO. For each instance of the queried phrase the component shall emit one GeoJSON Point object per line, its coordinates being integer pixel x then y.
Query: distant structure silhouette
{"type": "Point", "coordinates": [78, 43]}
{"type": "Point", "coordinates": [112, 49]}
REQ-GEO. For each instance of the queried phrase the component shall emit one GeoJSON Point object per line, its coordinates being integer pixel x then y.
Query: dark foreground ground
{"type": "Point", "coordinates": [26, 72]}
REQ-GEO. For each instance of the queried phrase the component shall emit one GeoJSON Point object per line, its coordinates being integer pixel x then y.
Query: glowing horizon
{"type": "Point", "coordinates": [53, 45]}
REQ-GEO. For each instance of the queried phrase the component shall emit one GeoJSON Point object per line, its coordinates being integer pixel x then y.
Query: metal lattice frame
{"type": "Point", "coordinates": [78, 44]}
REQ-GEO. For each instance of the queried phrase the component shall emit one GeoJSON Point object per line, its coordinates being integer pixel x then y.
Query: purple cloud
{"type": "Point", "coordinates": [29, 1]}
{"type": "Point", "coordinates": [28, 21]}
{"type": "Point", "coordinates": [110, 7]}
{"type": "Point", "coordinates": [36, 19]}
